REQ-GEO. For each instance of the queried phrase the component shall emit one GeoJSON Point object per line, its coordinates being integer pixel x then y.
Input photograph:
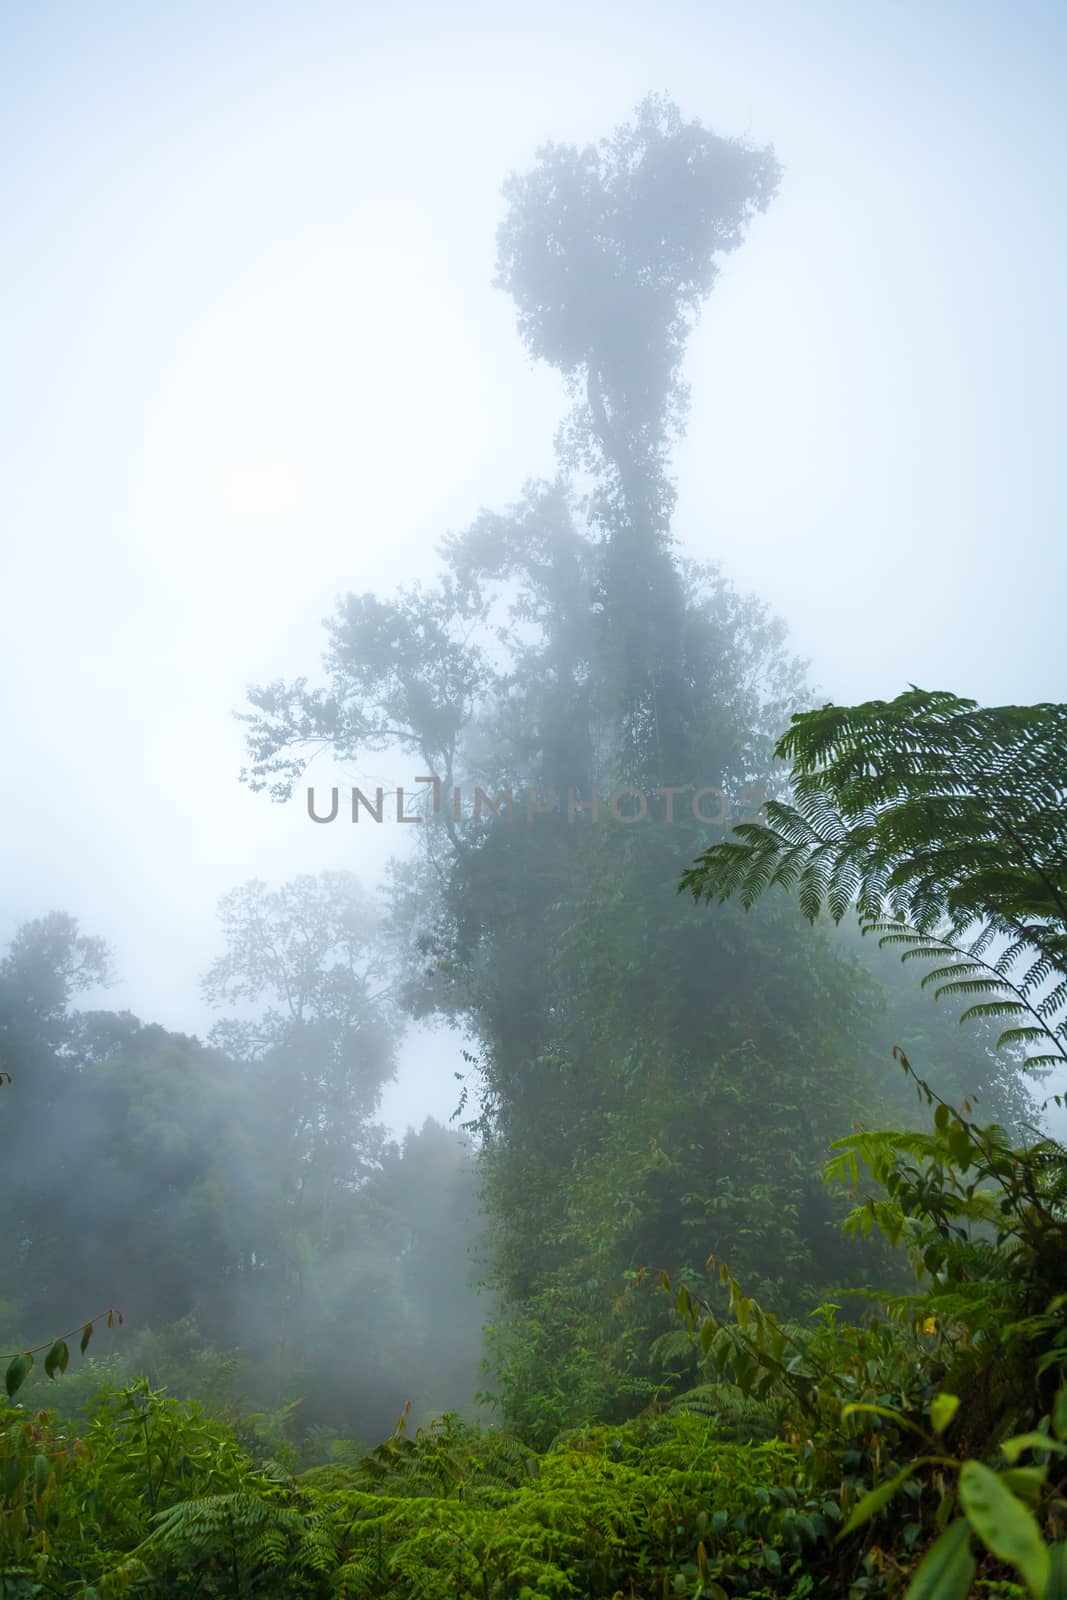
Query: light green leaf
{"type": "Point", "coordinates": [1014, 1447]}
{"type": "Point", "coordinates": [943, 1410]}
{"type": "Point", "coordinates": [58, 1356]}
{"type": "Point", "coordinates": [1004, 1524]}
{"type": "Point", "coordinates": [946, 1571]}
{"type": "Point", "coordinates": [1026, 1482]}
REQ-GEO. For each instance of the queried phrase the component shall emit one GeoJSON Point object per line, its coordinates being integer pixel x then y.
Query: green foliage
{"type": "Point", "coordinates": [240, 1542]}
{"type": "Point", "coordinates": [653, 1081]}
{"type": "Point", "coordinates": [617, 1029]}
{"type": "Point", "coordinates": [930, 815]}
{"type": "Point", "coordinates": [76, 1509]}
{"type": "Point", "coordinates": [57, 1359]}
{"type": "Point", "coordinates": [978, 1352]}
{"type": "Point", "coordinates": [608, 253]}
{"type": "Point", "coordinates": [781, 1474]}
{"type": "Point", "coordinates": [657, 1507]}
{"type": "Point", "coordinates": [246, 1213]}
{"type": "Point", "coordinates": [650, 1082]}
{"type": "Point", "coordinates": [155, 1499]}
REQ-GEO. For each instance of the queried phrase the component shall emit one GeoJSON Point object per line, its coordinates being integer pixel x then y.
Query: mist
{"type": "Point", "coordinates": [446, 453]}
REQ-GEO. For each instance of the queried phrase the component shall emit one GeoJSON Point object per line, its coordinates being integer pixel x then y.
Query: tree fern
{"type": "Point", "coordinates": [240, 1533]}
{"type": "Point", "coordinates": [943, 825]}
{"type": "Point", "coordinates": [447, 1459]}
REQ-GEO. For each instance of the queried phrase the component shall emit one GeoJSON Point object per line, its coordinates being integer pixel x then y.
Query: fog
{"type": "Point", "coordinates": [253, 358]}
{"type": "Point", "coordinates": [254, 361]}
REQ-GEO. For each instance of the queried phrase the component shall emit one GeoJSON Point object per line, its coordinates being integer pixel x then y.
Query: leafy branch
{"type": "Point", "coordinates": [21, 1364]}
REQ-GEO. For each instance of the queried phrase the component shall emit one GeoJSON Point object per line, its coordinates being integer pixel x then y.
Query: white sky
{"type": "Point", "coordinates": [251, 358]}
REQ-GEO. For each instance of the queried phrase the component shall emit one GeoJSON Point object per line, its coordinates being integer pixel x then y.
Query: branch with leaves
{"type": "Point", "coordinates": [20, 1365]}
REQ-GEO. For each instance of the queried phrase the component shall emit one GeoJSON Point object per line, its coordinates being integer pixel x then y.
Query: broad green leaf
{"type": "Point", "coordinates": [58, 1356]}
{"type": "Point", "coordinates": [1004, 1524]}
{"type": "Point", "coordinates": [1056, 1588]}
{"type": "Point", "coordinates": [946, 1571]}
{"type": "Point", "coordinates": [19, 1369]}
{"type": "Point", "coordinates": [87, 1333]}
{"type": "Point", "coordinates": [943, 1410]}
{"type": "Point", "coordinates": [1026, 1482]}
{"type": "Point", "coordinates": [877, 1497]}
{"type": "Point", "coordinates": [1014, 1447]}
{"type": "Point", "coordinates": [959, 1145]}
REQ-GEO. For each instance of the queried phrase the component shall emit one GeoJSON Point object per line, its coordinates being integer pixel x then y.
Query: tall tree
{"type": "Point", "coordinates": [309, 958]}
{"type": "Point", "coordinates": [642, 1067]}
{"type": "Point", "coordinates": [609, 253]}
{"type": "Point", "coordinates": [112, 1144]}
{"type": "Point", "coordinates": [48, 962]}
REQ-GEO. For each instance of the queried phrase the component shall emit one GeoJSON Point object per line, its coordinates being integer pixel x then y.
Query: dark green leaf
{"type": "Point", "coordinates": [1056, 1588]}
{"type": "Point", "coordinates": [57, 1357]}
{"type": "Point", "coordinates": [1059, 1414]}
{"type": "Point", "coordinates": [946, 1571]}
{"type": "Point", "coordinates": [19, 1369]}
{"type": "Point", "coordinates": [874, 1500]}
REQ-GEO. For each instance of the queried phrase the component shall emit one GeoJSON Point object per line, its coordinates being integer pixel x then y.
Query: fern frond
{"type": "Point", "coordinates": [940, 822]}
